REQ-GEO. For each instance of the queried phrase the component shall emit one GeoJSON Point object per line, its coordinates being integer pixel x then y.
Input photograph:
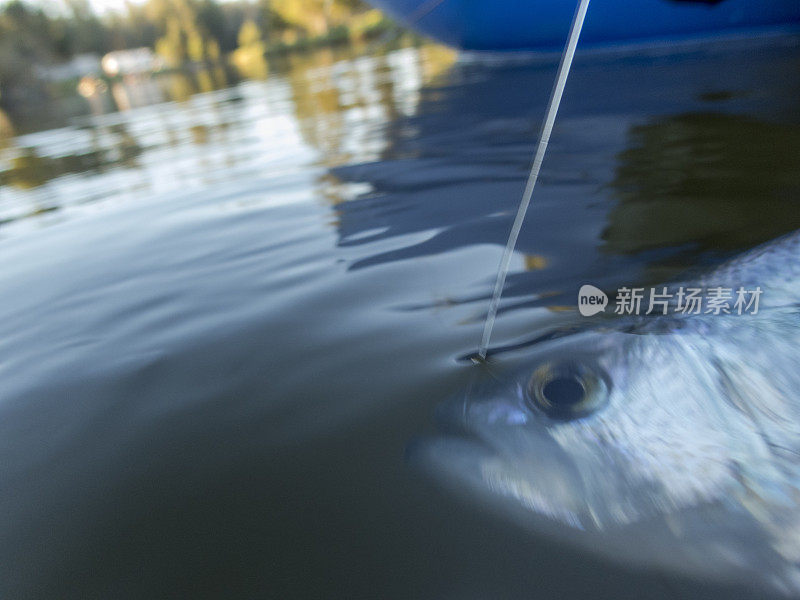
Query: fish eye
{"type": "Point", "coordinates": [564, 391]}
{"type": "Point", "coordinates": [567, 390]}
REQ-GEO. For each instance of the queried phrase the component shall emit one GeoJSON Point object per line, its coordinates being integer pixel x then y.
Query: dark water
{"type": "Point", "coordinates": [223, 319]}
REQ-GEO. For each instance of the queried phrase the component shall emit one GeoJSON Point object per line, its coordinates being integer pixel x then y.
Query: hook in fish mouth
{"type": "Point", "coordinates": [539, 338]}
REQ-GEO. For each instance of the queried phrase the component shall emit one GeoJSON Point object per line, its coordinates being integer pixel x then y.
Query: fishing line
{"type": "Point", "coordinates": [544, 138]}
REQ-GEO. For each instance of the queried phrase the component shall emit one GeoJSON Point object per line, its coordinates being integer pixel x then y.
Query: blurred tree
{"type": "Point", "coordinates": [249, 58]}
{"type": "Point", "coordinates": [25, 46]}
{"type": "Point", "coordinates": [85, 32]}
{"type": "Point", "coordinates": [196, 32]}
{"type": "Point", "coordinates": [313, 18]}
{"type": "Point", "coordinates": [184, 36]}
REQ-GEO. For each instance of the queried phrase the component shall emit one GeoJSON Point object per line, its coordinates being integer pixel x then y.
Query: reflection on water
{"type": "Point", "coordinates": [6, 129]}
{"type": "Point", "coordinates": [29, 170]}
{"type": "Point", "coordinates": [333, 102]}
{"type": "Point", "coordinates": [657, 167]}
{"type": "Point", "coordinates": [717, 181]}
{"type": "Point", "coordinates": [343, 106]}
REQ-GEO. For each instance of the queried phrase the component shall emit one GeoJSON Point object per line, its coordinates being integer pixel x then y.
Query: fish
{"type": "Point", "coordinates": [669, 442]}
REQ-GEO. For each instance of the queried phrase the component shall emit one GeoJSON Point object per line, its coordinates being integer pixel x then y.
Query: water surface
{"type": "Point", "coordinates": [225, 314]}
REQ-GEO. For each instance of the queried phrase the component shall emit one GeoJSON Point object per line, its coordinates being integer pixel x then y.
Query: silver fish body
{"type": "Point", "coordinates": [679, 449]}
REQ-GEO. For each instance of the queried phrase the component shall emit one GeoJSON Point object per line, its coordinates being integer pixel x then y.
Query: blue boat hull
{"type": "Point", "coordinates": [543, 24]}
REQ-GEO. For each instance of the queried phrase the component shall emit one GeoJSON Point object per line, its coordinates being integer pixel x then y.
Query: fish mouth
{"type": "Point", "coordinates": [496, 457]}
{"type": "Point", "coordinates": [707, 542]}
{"type": "Point", "coordinates": [498, 453]}
{"type": "Point", "coordinates": [468, 463]}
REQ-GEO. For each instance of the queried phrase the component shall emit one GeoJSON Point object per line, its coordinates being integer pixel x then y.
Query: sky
{"type": "Point", "coordinates": [99, 6]}
{"type": "Point", "coordinates": [103, 6]}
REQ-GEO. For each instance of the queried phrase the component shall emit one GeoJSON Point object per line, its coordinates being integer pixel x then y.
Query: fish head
{"type": "Point", "coordinates": [641, 445]}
